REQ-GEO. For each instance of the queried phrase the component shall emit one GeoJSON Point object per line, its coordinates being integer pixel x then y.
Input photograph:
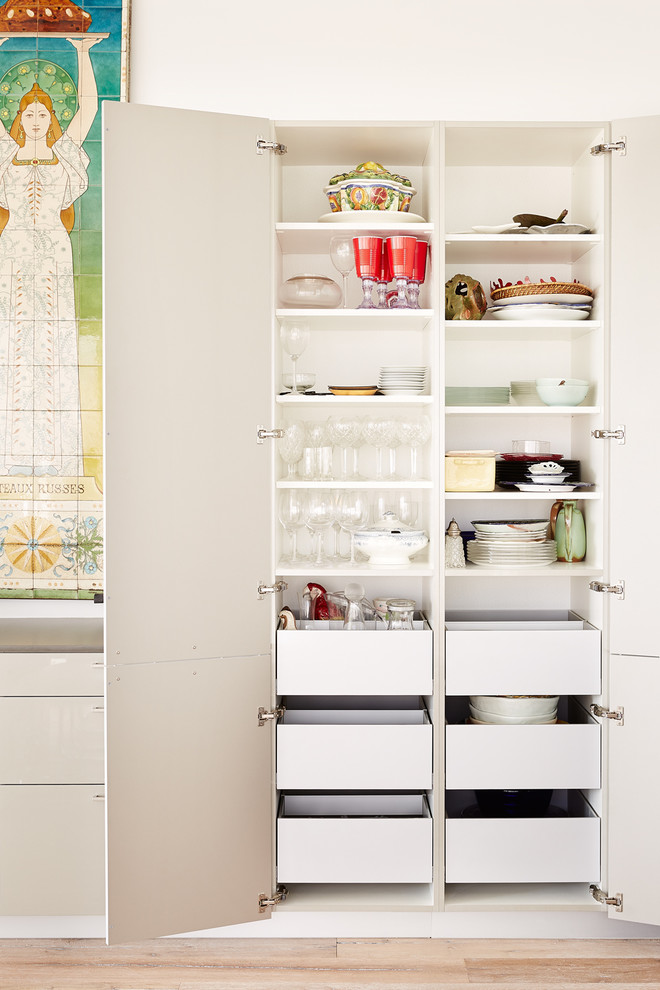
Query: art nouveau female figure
{"type": "Point", "coordinates": [42, 172]}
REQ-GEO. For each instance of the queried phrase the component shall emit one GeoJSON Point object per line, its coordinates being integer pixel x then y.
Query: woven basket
{"type": "Point", "coordinates": [540, 289]}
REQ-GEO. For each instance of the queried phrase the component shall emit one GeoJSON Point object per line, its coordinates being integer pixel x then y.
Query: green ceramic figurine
{"type": "Point", "coordinates": [464, 299]}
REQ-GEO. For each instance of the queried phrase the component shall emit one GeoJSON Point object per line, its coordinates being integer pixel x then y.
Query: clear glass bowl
{"type": "Point", "coordinates": [310, 292]}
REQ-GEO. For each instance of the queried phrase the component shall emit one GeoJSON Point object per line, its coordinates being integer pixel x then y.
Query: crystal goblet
{"type": "Point", "coordinates": [290, 448]}
{"type": "Point", "coordinates": [353, 509]}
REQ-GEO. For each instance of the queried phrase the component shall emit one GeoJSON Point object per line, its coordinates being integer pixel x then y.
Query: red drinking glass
{"type": "Point", "coordinates": [383, 277]}
{"type": "Point", "coordinates": [401, 253]}
{"type": "Point", "coordinates": [418, 273]}
{"type": "Point", "coordinates": [368, 251]}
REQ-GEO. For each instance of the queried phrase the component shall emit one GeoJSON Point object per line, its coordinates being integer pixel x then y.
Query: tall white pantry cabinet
{"type": "Point", "coordinates": [357, 799]}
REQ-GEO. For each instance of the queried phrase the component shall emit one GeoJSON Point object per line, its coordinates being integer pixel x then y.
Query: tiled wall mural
{"type": "Point", "coordinates": [58, 62]}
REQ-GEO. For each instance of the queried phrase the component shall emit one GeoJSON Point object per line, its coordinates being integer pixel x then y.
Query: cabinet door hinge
{"type": "Point", "coordinates": [619, 434]}
{"type": "Point", "coordinates": [600, 712]}
{"type": "Point", "coordinates": [602, 898]}
{"type": "Point", "coordinates": [271, 589]}
{"type": "Point", "coordinates": [619, 146]}
{"type": "Point", "coordinates": [618, 589]}
{"type": "Point", "coordinates": [266, 902]}
{"type": "Point", "coordinates": [263, 715]}
{"type": "Point", "coordinates": [264, 434]}
{"type": "Point", "coordinates": [263, 145]}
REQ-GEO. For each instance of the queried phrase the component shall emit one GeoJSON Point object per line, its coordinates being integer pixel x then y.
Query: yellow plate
{"type": "Point", "coordinates": [353, 389]}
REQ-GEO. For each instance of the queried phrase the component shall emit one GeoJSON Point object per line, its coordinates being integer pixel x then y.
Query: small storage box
{"type": "Point", "coordinates": [470, 470]}
{"type": "Point", "coordinates": [347, 749]}
{"type": "Point", "coordinates": [354, 838]}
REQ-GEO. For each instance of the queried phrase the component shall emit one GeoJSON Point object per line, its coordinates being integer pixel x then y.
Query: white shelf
{"type": "Point", "coordinates": [370, 485]}
{"type": "Point", "coordinates": [314, 238]}
{"type": "Point", "coordinates": [359, 319]}
{"type": "Point", "coordinates": [512, 248]}
{"type": "Point", "coordinates": [519, 897]}
{"type": "Point", "coordinates": [522, 410]}
{"type": "Point", "coordinates": [496, 330]}
{"type": "Point", "coordinates": [558, 570]}
{"type": "Point", "coordinates": [415, 569]}
{"type": "Point", "coordinates": [515, 495]}
{"type": "Point", "coordinates": [380, 400]}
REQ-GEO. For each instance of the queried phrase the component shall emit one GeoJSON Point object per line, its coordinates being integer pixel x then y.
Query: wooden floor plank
{"type": "Point", "coordinates": [640, 972]}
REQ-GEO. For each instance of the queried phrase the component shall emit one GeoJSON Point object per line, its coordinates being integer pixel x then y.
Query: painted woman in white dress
{"type": "Point", "coordinates": [42, 172]}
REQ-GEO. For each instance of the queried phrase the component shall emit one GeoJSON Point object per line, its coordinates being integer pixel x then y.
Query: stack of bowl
{"type": "Point", "coordinates": [513, 709]}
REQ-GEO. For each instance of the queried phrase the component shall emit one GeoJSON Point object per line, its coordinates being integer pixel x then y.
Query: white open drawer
{"type": "Point", "coordinates": [521, 653]}
{"type": "Point", "coordinates": [324, 658]}
{"type": "Point", "coordinates": [354, 750]}
{"type": "Point", "coordinates": [53, 673]}
{"type": "Point", "coordinates": [524, 850]}
{"type": "Point", "coordinates": [516, 757]}
{"type": "Point", "coordinates": [354, 838]}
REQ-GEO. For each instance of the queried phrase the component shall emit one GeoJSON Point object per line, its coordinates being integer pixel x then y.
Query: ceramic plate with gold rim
{"type": "Point", "coordinates": [353, 389]}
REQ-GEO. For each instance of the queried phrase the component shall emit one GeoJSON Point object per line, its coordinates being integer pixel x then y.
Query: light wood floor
{"type": "Point", "coordinates": [329, 964]}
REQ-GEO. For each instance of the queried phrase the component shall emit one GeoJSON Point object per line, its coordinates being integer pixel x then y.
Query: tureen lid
{"type": "Point", "coordinates": [390, 523]}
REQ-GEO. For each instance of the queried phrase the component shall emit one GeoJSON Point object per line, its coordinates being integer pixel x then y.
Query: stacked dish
{"type": "Point", "coordinates": [402, 380]}
{"type": "Point", "coordinates": [524, 394]}
{"type": "Point", "coordinates": [511, 543]}
{"type": "Point", "coordinates": [467, 395]}
{"type": "Point", "coordinates": [513, 709]}
{"type": "Point", "coordinates": [540, 300]}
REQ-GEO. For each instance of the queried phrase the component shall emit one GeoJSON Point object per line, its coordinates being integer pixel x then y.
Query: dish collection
{"type": "Point", "coordinates": [402, 379]}
{"type": "Point", "coordinates": [543, 300]}
{"type": "Point", "coordinates": [511, 543]}
{"type": "Point", "coordinates": [513, 709]}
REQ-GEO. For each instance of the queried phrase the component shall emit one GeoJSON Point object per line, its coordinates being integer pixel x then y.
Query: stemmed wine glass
{"type": "Point", "coordinates": [414, 432]}
{"type": "Point", "coordinates": [368, 251]}
{"type": "Point", "coordinates": [404, 505]}
{"type": "Point", "coordinates": [378, 433]}
{"type": "Point", "coordinates": [321, 515]}
{"type": "Point", "coordinates": [341, 255]}
{"type": "Point", "coordinates": [345, 432]}
{"type": "Point", "coordinates": [291, 447]}
{"type": "Point", "coordinates": [418, 273]}
{"type": "Point", "coordinates": [383, 277]}
{"type": "Point", "coordinates": [319, 452]}
{"type": "Point", "coordinates": [294, 337]}
{"type": "Point", "coordinates": [292, 511]}
{"type": "Point", "coordinates": [352, 516]}
{"type": "Point", "coordinates": [401, 252]}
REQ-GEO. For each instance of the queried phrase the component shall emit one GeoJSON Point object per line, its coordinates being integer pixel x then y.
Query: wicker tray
{"type": "Point", "coordinates": [540, 289]}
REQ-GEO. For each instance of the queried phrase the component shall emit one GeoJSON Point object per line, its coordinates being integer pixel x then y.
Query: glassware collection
{"type": "Point", "coordinates": [349, 609]}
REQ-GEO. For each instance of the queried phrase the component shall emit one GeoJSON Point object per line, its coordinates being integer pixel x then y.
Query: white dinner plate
{"type": "Point", "coordinates": [545, 298]}
{"type": "Point", "coordinates": [375, 218]}
{"type": "Point", "coordinates": [532, 487]}
{"type": "Point", "coordinates": [539, 312]}
{"type": "Point", "coordinates": [501, 229]}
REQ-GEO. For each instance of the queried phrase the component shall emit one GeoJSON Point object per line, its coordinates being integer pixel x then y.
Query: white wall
{"type": "Point", "coordinates": [398, 59]}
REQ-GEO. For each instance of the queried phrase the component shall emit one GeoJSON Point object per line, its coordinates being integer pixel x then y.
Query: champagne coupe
{"type": "Point", "coordinates": [294, 337]}
{"type": "Point", "coordinates": [368, 251]}
{"type": "Point", "coordinates": [414, 432]}
{"type": "Point", "coordinates": [342, 257]}
{"type": "Point", "coordinates": [292, 511]}
{"type": "Point", "coordinates": [401, 254]}
{"type": "Point", "coordinates": [383, 277]}
{"type": "Point", "coordinates": [291, 448]}
{"type": "Point", "coordinates": [353, 515]}
{"type": "Point", "coordinates": [321, 515]}
{"type": "Point", "coordinates": [345, 432]}
{"type": "Point", "coordinates": [418, 273]}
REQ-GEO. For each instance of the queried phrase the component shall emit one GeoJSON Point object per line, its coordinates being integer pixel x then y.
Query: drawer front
{"type": "Point", "coordinates": [361, 662]}
{"type": "Point", "coordinates": [51, 741]}
{"type": "Point", "coordinates": [523, 756]}
{"type": "Point", "coordinates": [52, 859]}
{"type": "Point", "coordinates": [361, 757]}
{"type": "Point", "coordinates": [63, 674]}
{"type": "Point", "coordinates": [364, 850]}
{"type": "Point", "coordinates": [522, 850]}
{"type": "Point", "coordinates": [523, 661]}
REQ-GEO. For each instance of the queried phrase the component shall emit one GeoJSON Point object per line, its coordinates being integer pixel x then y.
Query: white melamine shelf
{"type": "Point", "coordinates": [314, 238]}
{"type": "Point", "coordinates": [357, 897]}
{"type": "Point", "coordinates": [351, 400]}
{"type": "Point", "coordinates": [366, 485]}
{"type": "Point", "coordinates": [512, 248]}
{"type": "Point", "coordinates": [415, 569]}
{"type": "Point", "coordinates": [516, 495]}
{"type": "Point", "coordinates": [496, 330]}
{"type": "Point", "coordinates": [557, 570]}
{"type": "Point", "coordinates": [519, 897]}
{"type": "Point", "coordinates": [359, 319]}
{"type": "Point", "coordinates": [522, 410]}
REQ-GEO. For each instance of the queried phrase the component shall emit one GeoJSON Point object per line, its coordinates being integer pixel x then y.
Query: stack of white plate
{"type": "Point", "coordinates": [402, 380]}
{"type": "Point", "coordinates": [524, 394]}
{"type": "Point", "coordinates": [510, 710]}
{"type": "Point", "coordinates": [534, 308]}
{"type": "Point", "coordinates": [511, 543]}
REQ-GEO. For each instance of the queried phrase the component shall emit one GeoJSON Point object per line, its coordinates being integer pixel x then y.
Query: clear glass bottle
{"type": "Point", "coordinates": [400, 612]}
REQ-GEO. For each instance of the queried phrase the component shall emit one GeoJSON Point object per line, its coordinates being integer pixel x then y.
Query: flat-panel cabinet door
{"type": "Point", "coordinates": [635, 360]}
{"type": "Point", "coordinates": [187, 382]}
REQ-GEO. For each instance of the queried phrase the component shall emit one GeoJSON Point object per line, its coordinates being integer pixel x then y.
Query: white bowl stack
{"type": "Point", "coordinates": [402, 380]}
{"type": "Point", "coordinates": [513, 709]}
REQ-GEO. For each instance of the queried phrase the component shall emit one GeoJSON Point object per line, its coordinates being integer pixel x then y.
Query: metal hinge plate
{"type": "Point", "coordinates": [619, 146]}
{"type": "Point", "coordinates": [271, 589]}
{"type": "Point", "coordinates": [600, 712]}
{"type": "Point", "coordinates": [263, 145]}
{"type": "Point", "coordinates": [619, 434]}
{"type": "Point", "coordinates": [277, 898]}
{"type": "Point", "coordinates": [602, 898]}
{"type": "Point", "coordinates": [264, 434]}
{"type": "Point", "coordinates": [618, 589]}
{"type": "Point", "coordinates": [263, 715]}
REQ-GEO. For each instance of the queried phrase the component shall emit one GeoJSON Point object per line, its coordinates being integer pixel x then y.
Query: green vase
{"type": "Point", "coordinates": [569, 531]}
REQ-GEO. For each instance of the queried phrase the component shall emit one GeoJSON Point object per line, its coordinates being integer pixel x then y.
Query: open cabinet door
{"type": "Point", "coordinates": [188, 639]}
{"type": "Point", "coordinates": [634, 631]}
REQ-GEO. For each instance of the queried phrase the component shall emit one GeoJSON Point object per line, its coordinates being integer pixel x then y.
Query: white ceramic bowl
{"type": "Point", "coordinates": [506, 526]}
{"type": "Point", "coordinates": [490, 719]}
{"type": "Point", "coordinates": [500, 705]}
{"type": "Point", "coordinates": [390, 543]}
{"type": "Point", "coordinates": [561, 391]}
{"type": "Point", "coordinates": [545, 467]}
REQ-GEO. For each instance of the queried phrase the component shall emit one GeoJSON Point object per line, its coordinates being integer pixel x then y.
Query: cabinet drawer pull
{"type": "Point", "coordinates": [98, 708]}
{"type": "Point", "coordinates": [98, 797]}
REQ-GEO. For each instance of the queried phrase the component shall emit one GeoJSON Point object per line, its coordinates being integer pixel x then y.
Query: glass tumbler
{"type": "Point", "coordinates": [400, 612]}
